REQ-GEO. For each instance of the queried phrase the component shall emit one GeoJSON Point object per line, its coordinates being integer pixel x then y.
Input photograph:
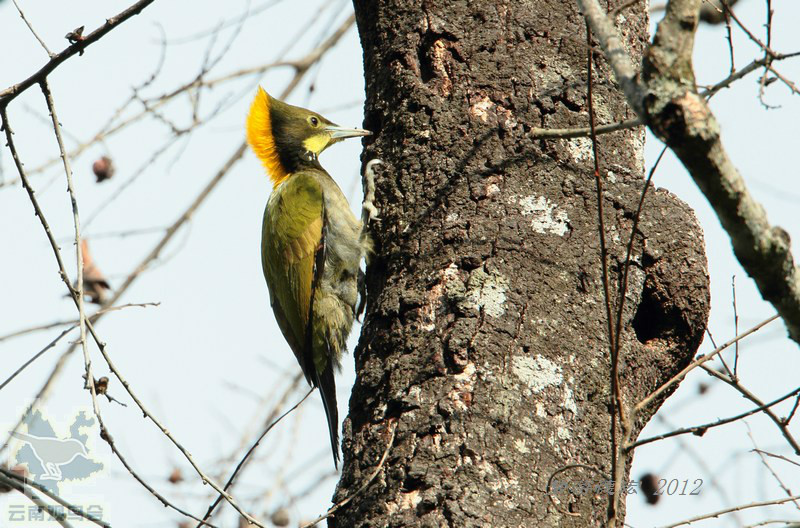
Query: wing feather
{"type": "Point", "coordinates": [292, 236]}
{"type": "Point", "coordinates": [293, 257]}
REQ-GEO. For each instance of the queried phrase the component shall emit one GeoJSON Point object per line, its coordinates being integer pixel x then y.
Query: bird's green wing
{"type": "Point", "coordinates": [293, 257]}
{"type": "Point", "coordinates": [291, 246]}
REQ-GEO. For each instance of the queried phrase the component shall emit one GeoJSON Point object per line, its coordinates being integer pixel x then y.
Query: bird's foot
{"type": "Point", "coordinates": [369, 211]}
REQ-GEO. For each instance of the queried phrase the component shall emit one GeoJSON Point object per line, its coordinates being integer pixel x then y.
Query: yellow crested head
{"type": "Point", "coordinates": [260, 138]}
{"type": "Point", "coordinates": [286, 138]}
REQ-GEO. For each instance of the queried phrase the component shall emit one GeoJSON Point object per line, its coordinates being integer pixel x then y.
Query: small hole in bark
{"type": "Point", "coordinates": [648, 323]}
{"type": "Point", "coordinates": [426, 71]}
{"type": "Point", "coordinates": [373, 122]}
{"type": "Point", "coordinates": [412, 483]}
{"type": "Point", "coordinates": [395, 409]}
{"type": "Point", "coordinates": [656, 318]}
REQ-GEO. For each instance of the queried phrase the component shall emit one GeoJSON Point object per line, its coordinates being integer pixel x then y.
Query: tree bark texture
{"type": "Point", "coordinates": [485, 345]}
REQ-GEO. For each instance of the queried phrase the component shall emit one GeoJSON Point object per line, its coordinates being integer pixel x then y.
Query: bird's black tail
{"type": "Point", "coordinates": [327, 389]}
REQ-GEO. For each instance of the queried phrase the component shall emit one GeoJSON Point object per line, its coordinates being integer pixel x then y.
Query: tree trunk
{"type": "Point", "coordinates": [484, 357]}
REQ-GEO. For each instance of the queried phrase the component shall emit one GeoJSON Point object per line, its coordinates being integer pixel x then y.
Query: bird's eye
{"type": "Point", "coordinates": [314, 121]}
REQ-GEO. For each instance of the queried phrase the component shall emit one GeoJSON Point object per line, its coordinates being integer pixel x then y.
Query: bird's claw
{"type": "Point", "coordinates": [370, 212]}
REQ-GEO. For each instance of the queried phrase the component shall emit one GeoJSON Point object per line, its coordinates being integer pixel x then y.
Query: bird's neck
{"type": "Point", "coordinates": [293, 164]}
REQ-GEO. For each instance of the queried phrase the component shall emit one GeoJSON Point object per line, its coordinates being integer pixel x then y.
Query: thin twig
{"type": "Point", "coordinates": [6, 127]}
{"type": "Point", "coordinates": [763, 458]}
{"type": "Point", "coordinates": [567, 133]}
{"type": "Point", "coordinates": [779, 457]}
{"type": "Point", "coordinates": [37, 356]}
{"type": "Point", "coordinates": [791, 413]}
{"type": "Point", "coordinates": [33, 31]}
{"type": "Point", "coordinates": [714, 515]}
{"type": "Point", "coordinates": [10, 93]}
{"type": "Point", "coordinates": [784, 429]}
{"type": "Point", "coordinates": [700, 430]}
{"type": "Point", "coordinates": [381, 462]}
{"type": "Point", "coordinates": [764, 47]}
{"type": "Point", "coordinates": [735, 374]}
{"type": "Point", "coordinates": [789, 84]}
{"type": "Point", "coordinates": [60, 517]}
{"type": "Point", "coordinates": [149, 415]}
{"type": "Point", "coordinates": [617, 410]}
{"type": "Point", "coordinates": [699, 361]}
{"type": "Point", "coordinates": [78, 291]}
{"type": "Point", "coordinates": [10, 475]}
{"type": "Point", "coordinates": [106, 436]}
{"type": "Point", "coordinates": [74, 322]}
{"type": "Point", "coordinates": [250, 451]}
{"type": "Point", "coordinates": [729, 38]}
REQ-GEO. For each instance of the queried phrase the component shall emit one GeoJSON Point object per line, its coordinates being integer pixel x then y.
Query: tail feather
{"type": "Point", "coordinates": [327, 389]}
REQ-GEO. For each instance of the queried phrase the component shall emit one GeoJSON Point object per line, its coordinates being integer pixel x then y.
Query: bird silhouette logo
{"type": "Point", "coordinates": [52, 453]}
{"type": "Point", "coordinates": [55, 458]}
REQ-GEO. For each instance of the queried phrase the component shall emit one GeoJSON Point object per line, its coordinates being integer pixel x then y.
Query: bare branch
{"type": "Point", "coordinates": [252, 449]}
{"type": "Point", "coordinates": [10, 475]}
{"type": "Point", "coordinates": [6, 127]}
{"type": "Point", "coordinates": [779, 457]}
{"type": "Point", "coordinates": [78, 294]}
{"type": "Point", "coordinates": [696, 363]}
{"type": "Point", "coordinates": [33, 31]}
{"type": "Point", "coordinates": [37, 356]}
{"type": "Point", "coordinates": [393, 427]}
{"type": "Point", "coordinates": [60, 517]}
{"type": "Point", "coordinates": [700, 430]}
{"type": "Point", "coordinates": [717, 513]}
{"type": "Point", "coordinates": [78, 291]}
{"type": "Point", "coordinates": [106, 436]}
{"type": "Point", "coordinates": [763, 456]}
{"type": "Point", "coordinates": [566, 133]}
{"type": "Point", "coordinates": [681, 118]}
{"type": "Point", "coordinates": [753, 398]}
{"type": "Point", "coordinates": [617, 407]}
{"type": "Point", "coordinates": [9, 94]}
{"type": "Point", "coordinates": [603, 28]}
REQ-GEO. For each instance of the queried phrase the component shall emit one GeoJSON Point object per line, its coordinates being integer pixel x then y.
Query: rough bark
{"type": "Point", "coordinates": [485, 347]}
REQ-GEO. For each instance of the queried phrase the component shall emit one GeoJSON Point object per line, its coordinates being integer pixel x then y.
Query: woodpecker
{"type": "Point", "coordinates": [311, 243]}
